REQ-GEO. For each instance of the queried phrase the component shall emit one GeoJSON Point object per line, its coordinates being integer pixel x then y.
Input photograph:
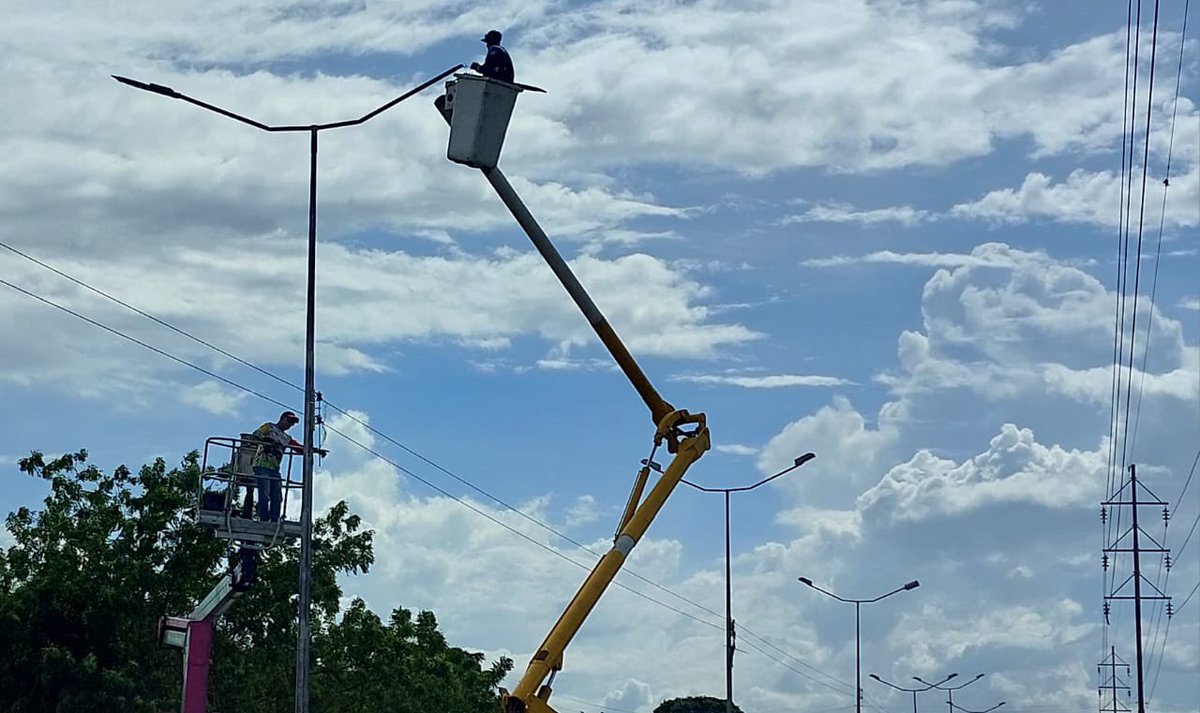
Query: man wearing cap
{"type": "Point", "coordinates": [497, 64]}
{"type": "Point", "coordinates": [273, 442]}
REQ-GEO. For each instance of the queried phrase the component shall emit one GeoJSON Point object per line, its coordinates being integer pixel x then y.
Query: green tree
{"type": "Point", "coordinates": [694, 704]}
{"type": "Point", "coordinates": [89, 574]}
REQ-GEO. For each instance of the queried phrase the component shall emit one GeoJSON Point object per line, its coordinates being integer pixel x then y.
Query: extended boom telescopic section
{"type": "Point", "coordinates": [478, 110]}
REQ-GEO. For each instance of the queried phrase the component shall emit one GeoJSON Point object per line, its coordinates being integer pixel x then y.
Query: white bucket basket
{"type": "Point", "coordinates": [481, 108]}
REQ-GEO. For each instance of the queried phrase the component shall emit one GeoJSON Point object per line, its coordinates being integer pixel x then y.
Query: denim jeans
{"type": "Point", "coordinates": [270, 493]}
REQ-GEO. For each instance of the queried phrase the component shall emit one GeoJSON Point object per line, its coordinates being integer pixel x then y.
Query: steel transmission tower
{"type": "Point", "coordinates": [1131, 541]}
{"type": "Point", "coordinates": [1113, 683]}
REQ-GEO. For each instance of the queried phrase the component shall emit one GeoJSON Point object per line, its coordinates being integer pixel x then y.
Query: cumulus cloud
{"type": "Point", "coordinates": [1094, 198]}
{"type": "Point", "coordinates": [1008, 321]}
{"type": "Point", "coordinates": [1014, 468]}
{"type": "Point", "coordinates": [849, 453]}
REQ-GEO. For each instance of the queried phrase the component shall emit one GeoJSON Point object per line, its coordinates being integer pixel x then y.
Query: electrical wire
{"type": "Point", "coordinates": [743, 631]}
{"type": "Point", "coordinates": [849, 690]}
{"type": "Point", "coordinates": [602, 707]}
{"type": "Point", "coordinates": [344, 412]}
{"type": "Point", "coordinates": [1162, 217]}
{"type": "Point", "coordinates": [372, 429]}
{"type": "Point", "coordinates": [510, 528]}
{"type": "Point", "coordinates": [1137, 269]}
{"type": "Point", "coordinates": [151, 317]}
{"type": "Point", "coordinates": [264, 397]}
{"type": "Point", "coordinates": [142, 344]}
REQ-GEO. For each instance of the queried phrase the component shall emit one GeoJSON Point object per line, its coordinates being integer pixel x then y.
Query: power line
{"type": "Point", "coordinates": [151, 317]}
{"type": "Point", "coordinates": [510, 528]}
{"type": "Point", "coordinates": [602, 707]}
{"type": "Point", "coordinates": [142, 344]}
{"type": "Point", "coordinates": [352, 417]}
{"type": "Point", "coordinates": [767, 642]}
{"type": "Point", "coordinates": [793, 669]}
{"type": "Point", "coordinates": [1162, 217]}
{"type": "Point", "coordinates": [369, 427]}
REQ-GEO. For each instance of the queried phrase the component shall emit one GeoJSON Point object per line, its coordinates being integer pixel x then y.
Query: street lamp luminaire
{"type": "Point", "coordinates": [730, 637]}
{"type": "Point", "coordinates": [949, 689]}
{"type": "Point", "coordinates": [913, 691]}
{"type": "Point", "coordinates": [857, 629]}
{"type": "Point", "coordinates": [310, 400]}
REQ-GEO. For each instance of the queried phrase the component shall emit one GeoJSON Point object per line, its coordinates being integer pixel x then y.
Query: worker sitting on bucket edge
{"type": "Point", "coordinates": [497, 64]}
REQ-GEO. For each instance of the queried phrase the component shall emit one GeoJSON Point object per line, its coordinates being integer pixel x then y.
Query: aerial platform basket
{"type": "Point", "coordinates": [480, 110]}
{"type": "Point", "coordinates": [220, 496]}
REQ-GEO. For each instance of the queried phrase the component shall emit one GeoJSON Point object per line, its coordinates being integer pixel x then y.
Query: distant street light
{"type": "Point", "coordinates": [857, 629]}
{"type": "Point", "coordinates": [949, 689]}
{"type": "Point", "coordinates": [913, 691]}
{"type": "Point", "coordinates": [730, 636]}
{"type": "Point", "coordinates": [304, 635]}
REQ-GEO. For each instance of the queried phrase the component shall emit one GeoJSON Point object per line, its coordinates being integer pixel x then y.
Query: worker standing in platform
{"type": "Point", "coordinates": [273, 442]}
{"type": "Point", "coordinates": [497, 64]}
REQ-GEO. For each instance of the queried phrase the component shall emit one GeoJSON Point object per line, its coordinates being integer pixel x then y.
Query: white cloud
{"type": "Point", "coordinates": [478, 302]}
{"type": "Point", "coordinates": [736, 449]}
{"type": "Point", "coordinates": [213, 397]}
{"type": "Point", "coordinates": [906, 216]}
{"type": "Point", "coordinates": [1093, 198]}
{"type": "Point", "coordinates": [977, 258]}
{"type": "Point", "coordinates": [1018, 627]}
{"type": "Point", "coordinates": [849, 454]}
{"type": "Point", "coordinates": [1190, 303]}
{"type": "Point", "coordinates": [582, 512]}
{"type": "Point", "coordinates": [1013, 322]}
{"type": "Point", "coordinates": [771, 381]}
{"type": "Point", "coordinates": [1015, 468]}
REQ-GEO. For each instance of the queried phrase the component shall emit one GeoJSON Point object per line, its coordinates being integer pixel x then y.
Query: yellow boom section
{"type": "Point", "coordinates": [684, 434]}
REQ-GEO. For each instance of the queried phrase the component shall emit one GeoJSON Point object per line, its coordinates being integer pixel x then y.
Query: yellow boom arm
{"type": "Point", "coordinates": [684, 434]}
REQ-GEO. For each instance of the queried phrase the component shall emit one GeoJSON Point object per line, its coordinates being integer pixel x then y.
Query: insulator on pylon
{"type": "Point", "coordinates": [1170, 610]}
{"type": "Point", "coordinates": [1167, 563]}
{"type": "Point", "coordinates": [1166, 515]}
{"type": "Point", "coordinates": [1103, 515]}
{"type": "Point", "coordinates": [1104, 562]}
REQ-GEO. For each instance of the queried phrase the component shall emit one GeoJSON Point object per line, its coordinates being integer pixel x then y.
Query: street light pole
{"type": "Point", "coordinates": [857, 640]}
{"type": "Point", "coordinates": [949, 689]}
{"type": "Point", "coordinates": [303, 631]}
{"type": "Point", "coordinates": [730, 635]}
{"type": "Point", "coordinates": [913, 691]}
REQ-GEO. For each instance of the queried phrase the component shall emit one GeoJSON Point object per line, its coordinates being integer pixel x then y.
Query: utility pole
{"type": "Point", "coordinates": [1134, 534]}
{"type": "Point", "coordinates": [1113, 683]}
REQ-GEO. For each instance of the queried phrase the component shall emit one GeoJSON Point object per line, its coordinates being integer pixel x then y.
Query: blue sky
{"type": "Point", "coordinates": [885, 232]}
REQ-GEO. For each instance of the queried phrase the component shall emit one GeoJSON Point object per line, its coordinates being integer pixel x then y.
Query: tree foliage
{"type": "Point", "coordinates": [89, 574]}
{"type": "Point", "coordinates": [694, 704]}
